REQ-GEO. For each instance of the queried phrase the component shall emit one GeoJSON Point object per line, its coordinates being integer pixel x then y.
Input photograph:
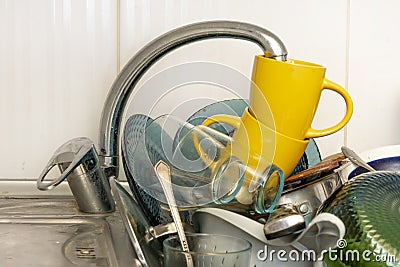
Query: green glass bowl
{"type": "Point", "coordinates": [369, 206]}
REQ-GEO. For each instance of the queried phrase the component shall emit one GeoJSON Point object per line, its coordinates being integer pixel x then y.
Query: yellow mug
{"type": "Point", "coordinates": [284, 96]}
{"type": "Point", "coordinates": [257, 146]}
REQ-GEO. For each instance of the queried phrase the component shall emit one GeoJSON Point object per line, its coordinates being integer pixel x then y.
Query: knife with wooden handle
{"type": "Point", "coordinates": [325, 166]}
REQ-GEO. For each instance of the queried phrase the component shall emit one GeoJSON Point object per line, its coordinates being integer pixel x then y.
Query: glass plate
{"type": "Point", "coordinates": [369, 206]}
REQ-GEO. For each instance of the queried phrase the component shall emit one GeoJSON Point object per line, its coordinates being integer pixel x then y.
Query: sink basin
{"type": "Point", "coordinates": [39, 229]}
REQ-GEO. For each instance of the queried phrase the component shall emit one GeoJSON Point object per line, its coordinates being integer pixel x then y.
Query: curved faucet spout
{"type": "Point", "coordinates": [123, 86]}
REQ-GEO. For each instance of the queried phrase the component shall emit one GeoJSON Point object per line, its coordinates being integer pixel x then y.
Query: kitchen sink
{"type": "Point", "coordinates": [47, 229]}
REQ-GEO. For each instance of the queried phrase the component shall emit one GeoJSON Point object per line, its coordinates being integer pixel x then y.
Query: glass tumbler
{"type": "Point", "coordinates": [207, 250]}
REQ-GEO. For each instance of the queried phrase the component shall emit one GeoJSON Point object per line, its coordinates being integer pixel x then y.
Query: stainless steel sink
{"type": "Point", "coordinates": [42, 229]}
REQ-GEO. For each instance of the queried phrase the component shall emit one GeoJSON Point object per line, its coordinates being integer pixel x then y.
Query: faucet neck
{"type": "Point", "coordinates": [123, 86]}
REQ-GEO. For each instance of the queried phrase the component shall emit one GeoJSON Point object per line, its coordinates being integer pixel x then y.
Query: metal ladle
{"type": "Point", "coordinates": [356, 159]}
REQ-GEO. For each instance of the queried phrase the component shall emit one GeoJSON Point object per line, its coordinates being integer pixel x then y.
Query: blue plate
{"type": "Point", "coordinates": [384, 164]}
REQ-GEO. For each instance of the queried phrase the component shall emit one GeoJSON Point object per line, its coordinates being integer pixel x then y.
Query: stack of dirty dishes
{"type": "Point", "coordinates": [274, 131]}
{"type": "Point", "coordinates": [244, 170]}
{"type": "Point", "coordinates": [231, 160]}
{"type": "Point", "coordinates": [207, 167]}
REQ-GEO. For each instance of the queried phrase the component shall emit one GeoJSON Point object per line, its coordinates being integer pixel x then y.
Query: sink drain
{"type": "Point", "coordinates": [85, 253]}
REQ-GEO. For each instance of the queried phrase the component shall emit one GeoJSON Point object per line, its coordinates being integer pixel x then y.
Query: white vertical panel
{"type": "Point", "coordinates": [374, 73]}
{"type": "Point", "coordinates": [312, 30]}
{"type": "Point", "coordinates": [58, 60]}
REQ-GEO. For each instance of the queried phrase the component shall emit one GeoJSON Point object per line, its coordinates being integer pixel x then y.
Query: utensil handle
{"type": "Point", "coordinates": [329, 85]}
{"type": "Point", "coordinates": [164, 176]}
{"type": "Point", "coordinates": [323, 167]}
{"type": "Point", "coordinates": [355, 158]}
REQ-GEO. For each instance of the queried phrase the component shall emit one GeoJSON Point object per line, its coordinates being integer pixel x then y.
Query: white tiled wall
{"type": "Point", "coordinates": [374, 74]}
{"type": "Point", "coordinates": [58, 59]}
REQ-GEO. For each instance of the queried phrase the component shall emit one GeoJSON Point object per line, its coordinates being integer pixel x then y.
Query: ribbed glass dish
{"type": "Point", "coordinates": [369, 206]}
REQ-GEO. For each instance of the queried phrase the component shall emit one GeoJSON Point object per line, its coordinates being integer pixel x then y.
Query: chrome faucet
{"type": "Point", "coordinates": [123, 86]}
{"type": "Point", "coordinates": [79, 164]}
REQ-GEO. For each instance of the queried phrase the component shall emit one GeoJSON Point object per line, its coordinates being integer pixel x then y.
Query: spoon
{"type": "Point", "coordinates": [164, 177]}
{"type": "Point", "coordinates": [356, 159]}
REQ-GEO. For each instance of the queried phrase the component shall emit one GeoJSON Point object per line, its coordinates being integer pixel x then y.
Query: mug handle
{"type": "Point", "coordinates": [228, 119]}
{"type": "Point", "coordinates": [312, 133]}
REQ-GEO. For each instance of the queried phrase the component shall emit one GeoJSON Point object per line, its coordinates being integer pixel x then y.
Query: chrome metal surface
{"type": "Point", "coordinates": [151, 247]}
{"type": "Point", "coordinates": [123, 86]}
{"type": "Point", "coordinates": [46, 231]}
{"type": "Point", "coordinates": [164, 229]}
{"type": "Point", "coordinates": [311, 195]}
{"type": "Point", "coordinates": [78, 162]}
{"type": "Point", "coordinates": [285, 220]}
{"type": "Point", "coordinates": [356, 159]}
{"type": "Point", "coordinates": [128, 225]}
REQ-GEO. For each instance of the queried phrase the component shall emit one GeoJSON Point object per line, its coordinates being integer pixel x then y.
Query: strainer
{"type": "Point", "coordinates": [133, 131]}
